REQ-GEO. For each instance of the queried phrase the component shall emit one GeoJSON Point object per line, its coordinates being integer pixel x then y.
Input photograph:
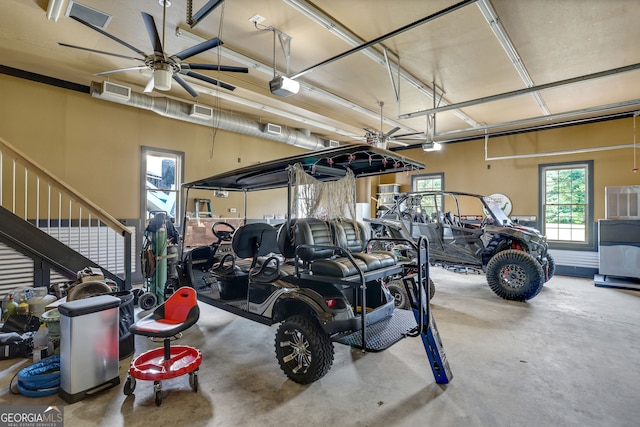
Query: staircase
{"type": "Point", "coordinates": [49, 231]}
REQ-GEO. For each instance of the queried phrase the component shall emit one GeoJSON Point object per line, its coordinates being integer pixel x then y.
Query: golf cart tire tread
{"type": "Point", "coordinates": [532, 268]}
{"type": "Point", "coordinates": [320, 344]}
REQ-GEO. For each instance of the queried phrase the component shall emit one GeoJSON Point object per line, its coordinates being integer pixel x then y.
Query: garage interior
{"type": "Point", "coordinates": [503, 88]}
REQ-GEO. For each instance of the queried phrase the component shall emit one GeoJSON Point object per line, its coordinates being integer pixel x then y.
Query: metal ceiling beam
{"type": "Point", "coordinates": [454, 135]}
{"type": "Point", "coordinates": [495, 24]}
{"type": "Point", "coordinates": [384, 37]}
{"type": "Point", "coordinates": [268, 70]}
{"type": "Point", "coordinates": [514, 93]}
{"type": "Point", "coordinates": [331, 25]}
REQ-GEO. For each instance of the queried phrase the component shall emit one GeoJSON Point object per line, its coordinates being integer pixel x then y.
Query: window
{"type": "Point", "coordinates": [566, 209]}
{"type": "Point", "coordinates": [161, 183]}
{"type": "Point", "coordinates": [431, 182]}
{"type": "Point", "coordinates": [427, 182]}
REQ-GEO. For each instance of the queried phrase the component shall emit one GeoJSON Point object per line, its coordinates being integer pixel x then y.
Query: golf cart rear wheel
{"type": "Point", "coordinates": [515, 275]}
{"type": "Point", "coordinates": [304, 351]}
{"type": "Point", "coordinates": [399, 293]}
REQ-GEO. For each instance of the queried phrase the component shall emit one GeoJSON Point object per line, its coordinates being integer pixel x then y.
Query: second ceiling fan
{"type": "Point", "coordinates": [164, 67]}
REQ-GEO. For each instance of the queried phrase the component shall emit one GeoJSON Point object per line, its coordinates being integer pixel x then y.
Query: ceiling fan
{"type": "Point", "coordinates": [381, 140]}
{"type": "Point", "coordinates": [163, 66]}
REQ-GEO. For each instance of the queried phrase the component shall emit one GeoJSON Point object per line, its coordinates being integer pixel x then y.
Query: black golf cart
{"type": "Point", "coordinates": [315, 273]}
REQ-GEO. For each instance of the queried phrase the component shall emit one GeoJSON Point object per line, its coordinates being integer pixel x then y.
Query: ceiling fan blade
{"type": "Point", "coordinates": [114, 38]}
{"type": "Point", "coordinates": [101, 52]}
{"type": "Point", "coordinates": [185, 85]}
{"type": "Point", "coordinates": [199, 48]}
{"type": "Point", "coordinates": [226, 68]}
{"type": "Point", "coordinates": [119, 70]}
{"type": "Point", "coordinates": [152, 30]}
{"type": "Point", "coordinates": [408, 134]}
{"type": "Point", "coordinates": [391, 132]}
{"type": "Point", "coordinates": [400, 143]}
{"type": "Point", "coordinates": [423, 139]}
{"type": "Point", "coordinates": [209, 80]}
{"type": "Point", "coordinates": [150, 84]}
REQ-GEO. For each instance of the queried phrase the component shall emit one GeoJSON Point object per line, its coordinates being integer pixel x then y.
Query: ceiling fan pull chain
{"type": "Point", "coordinates": [190, 12]}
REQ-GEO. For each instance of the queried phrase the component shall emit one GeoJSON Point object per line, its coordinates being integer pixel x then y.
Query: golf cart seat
{"type": "Point", "coordinates": [320, 239]}
{"type": "Point", "coordinates": [249, 242]}
{"type": "Point", "coordinates": [354, 240]}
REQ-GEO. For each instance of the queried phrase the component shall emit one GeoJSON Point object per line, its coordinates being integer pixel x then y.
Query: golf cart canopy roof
{"type": "Point", "coordinates": [324, 165]}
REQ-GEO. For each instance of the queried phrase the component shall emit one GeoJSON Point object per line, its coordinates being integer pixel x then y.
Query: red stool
{"type": "Point", "coordinates": [179, 312]}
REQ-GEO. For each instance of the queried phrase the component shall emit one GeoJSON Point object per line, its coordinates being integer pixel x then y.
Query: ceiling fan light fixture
{"type": "Point", "coordinates": [162, 78]}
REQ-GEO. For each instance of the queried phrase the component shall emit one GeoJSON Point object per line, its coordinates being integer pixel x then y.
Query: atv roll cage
{"type": "Point", "coordinates": [470, 231]}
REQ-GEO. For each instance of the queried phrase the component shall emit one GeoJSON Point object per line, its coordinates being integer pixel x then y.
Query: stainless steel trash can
{"type": "Point", "coordinates": [88, 346]}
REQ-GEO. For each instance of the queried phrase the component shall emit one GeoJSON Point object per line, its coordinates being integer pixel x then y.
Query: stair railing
{"type": "Point", "coordinates": [33, 193]}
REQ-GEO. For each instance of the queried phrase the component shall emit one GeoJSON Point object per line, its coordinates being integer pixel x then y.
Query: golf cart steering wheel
{"type": "Point", "coordinates": [223, 231]}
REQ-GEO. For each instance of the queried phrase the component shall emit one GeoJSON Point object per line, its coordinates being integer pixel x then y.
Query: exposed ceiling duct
{"type": "Point", "coordinates": [179, 110]}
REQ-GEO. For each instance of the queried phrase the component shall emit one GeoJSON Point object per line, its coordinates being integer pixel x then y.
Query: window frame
{"type": "Point", "coordinates": [590, 225]}
{"type": "Point", "coordinates": [440, 176]}
{"type": "Point", "coordinates": [179, 174]}
{"type": "Point", "coordinates": [416, 178]}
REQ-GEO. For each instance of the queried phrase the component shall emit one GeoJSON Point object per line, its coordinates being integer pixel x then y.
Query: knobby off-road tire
{"type": "Point", "coordinates": [399, 293]}
{"type": "Point", "coordinates": [551, 267]}
{"type": "Point", "coordinates": [304, 351]}
{"type": "Point", "coordinates": [515, 275]}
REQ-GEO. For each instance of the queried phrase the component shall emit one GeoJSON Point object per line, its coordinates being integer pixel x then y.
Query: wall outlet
{"type": "Point", "coordinates": [232, 210]}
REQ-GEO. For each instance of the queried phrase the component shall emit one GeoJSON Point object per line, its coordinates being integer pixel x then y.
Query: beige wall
{"type": "Point", "coordinates": [94, 146]}
{"type": "Point", "coordinates": [465, 168]}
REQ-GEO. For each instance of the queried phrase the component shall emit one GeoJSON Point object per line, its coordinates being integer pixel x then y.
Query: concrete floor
{"type": "Point", "coordinates": [569, 357]}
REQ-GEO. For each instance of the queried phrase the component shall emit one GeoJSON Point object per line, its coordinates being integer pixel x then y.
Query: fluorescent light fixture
{"type": "Point", "coordinates": [54, 9]}
{"type": "Point", "coordinates": [431, 146]}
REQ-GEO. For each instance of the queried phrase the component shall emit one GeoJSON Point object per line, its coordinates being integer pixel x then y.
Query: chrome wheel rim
{"type": "Point", "coordinates": [513, 276]}
{"type": "Point", "coordinates": [298, 353]}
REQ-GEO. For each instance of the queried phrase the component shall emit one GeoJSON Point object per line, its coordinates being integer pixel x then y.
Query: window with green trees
{"type": "Point", "coordinates": [566, 198]}
{"type": "Point", "coordinates": [430, 182]}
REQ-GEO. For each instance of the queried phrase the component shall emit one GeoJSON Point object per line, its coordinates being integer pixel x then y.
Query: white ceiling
{"type": "Point", "coordinates": [554, 39]}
